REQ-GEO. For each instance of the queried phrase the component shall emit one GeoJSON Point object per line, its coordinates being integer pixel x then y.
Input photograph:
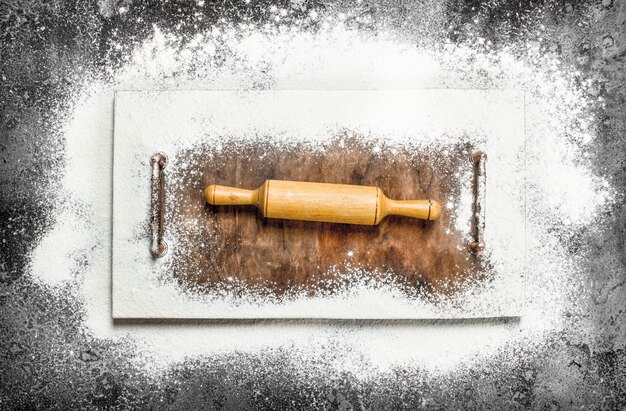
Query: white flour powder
{"type": "Point", "coordinates": [562, 194]}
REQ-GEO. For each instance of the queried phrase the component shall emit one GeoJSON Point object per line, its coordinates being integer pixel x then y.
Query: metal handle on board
{"type": "Point", "coordinates": [158, 247]}
{"type": "Point", "coordinates": [478, 159]}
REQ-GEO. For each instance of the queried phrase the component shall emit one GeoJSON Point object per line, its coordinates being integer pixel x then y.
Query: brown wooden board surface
{"type": "Point", "coordinates": [235, 244]}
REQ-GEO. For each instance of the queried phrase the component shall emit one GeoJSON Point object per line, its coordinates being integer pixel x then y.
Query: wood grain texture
{"type": "Point", "coordinates": [216, 244]}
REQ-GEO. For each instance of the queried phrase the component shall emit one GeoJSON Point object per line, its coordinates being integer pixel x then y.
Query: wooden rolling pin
{"type": "Point", "coordinates": [331, 203]}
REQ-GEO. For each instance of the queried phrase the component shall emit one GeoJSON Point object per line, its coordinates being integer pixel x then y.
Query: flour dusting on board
{"type": "Point", "coordinates": [562, 194]}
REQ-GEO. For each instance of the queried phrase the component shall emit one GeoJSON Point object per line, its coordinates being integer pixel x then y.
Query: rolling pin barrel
{"type": "Point", "coordinates": [333, 203]}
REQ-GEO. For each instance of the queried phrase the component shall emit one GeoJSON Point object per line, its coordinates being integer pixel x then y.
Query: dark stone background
{"type": "Point", "coordinates": [47, 360]}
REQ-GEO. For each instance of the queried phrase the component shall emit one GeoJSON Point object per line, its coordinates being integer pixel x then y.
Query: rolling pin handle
{"type": "Point", "coordinates": [422, 209]}
{"type": "Point", "coordinates": [434, 211]}
{"type": "Point", "coordinates": [222, 195]}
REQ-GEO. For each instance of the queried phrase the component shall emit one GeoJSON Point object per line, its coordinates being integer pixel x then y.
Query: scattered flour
{"type": "Point", "coordinates": [562, 193]}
